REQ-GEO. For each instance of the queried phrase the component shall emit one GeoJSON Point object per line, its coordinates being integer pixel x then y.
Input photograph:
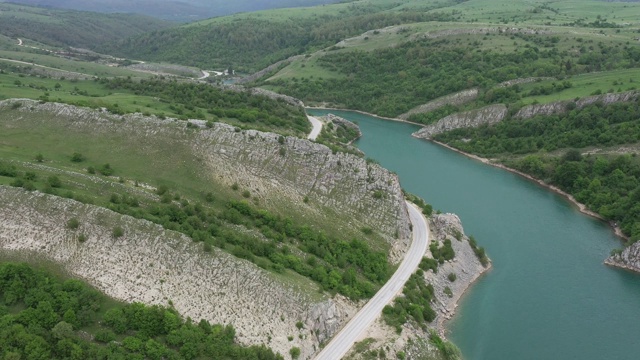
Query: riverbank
{"type": "Point", "coordinates": [581, 207]}
{"type": "Point", "coordinates": [364, 113]}
{"type": "Point", "coordinates": [465, 265]}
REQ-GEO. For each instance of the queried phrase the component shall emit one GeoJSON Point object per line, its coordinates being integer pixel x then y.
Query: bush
{"type": "Point", "coordinates": [54, 181]}
{"type": "Point", "coordinates": [73, 224]}
{"type": "Point", "coordinates": [294, 352]}
{"type": "Point", "coordinates": [77, 157]}
{"type": "Point", "coordinates": [299, 325]}
{"type": "Point", "coordinates": [117, 232]}
{"type": "Point", "coordinates": [106, 170]}
{"type": "Point", "coordinates": [39, 158]}
{"type": "Point", "coordinates": [452, 277]}
{"type": "Point", "coordinates": [82, 238]}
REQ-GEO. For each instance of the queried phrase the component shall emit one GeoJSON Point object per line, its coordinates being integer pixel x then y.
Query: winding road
{"type": "Point", "coordinates": [317, 127]}
{"type": "Point", "coordinates": [356, 328]}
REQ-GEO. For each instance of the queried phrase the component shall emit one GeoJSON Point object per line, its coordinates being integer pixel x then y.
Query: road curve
{"type": "Point", "coordinates": [355, 329]}
{"type": "Point", "coordinates": [317, 127]}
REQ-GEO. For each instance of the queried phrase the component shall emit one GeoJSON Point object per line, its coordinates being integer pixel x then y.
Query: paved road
{"type": "Point", "coordinates": [317, 127]}
{"type": "Point", "coordinates": [205, 74]}
{"type": "Point", "coordinates": [355, 329]}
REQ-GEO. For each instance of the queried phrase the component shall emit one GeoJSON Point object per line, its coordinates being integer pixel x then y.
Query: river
{"type": "Point", "coordinates": [548, 296]}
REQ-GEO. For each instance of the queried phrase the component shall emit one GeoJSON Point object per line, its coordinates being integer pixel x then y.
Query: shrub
{"type": "Point", "coordinates": [77, 157]}
{"type": "Point", "coordinates": [299, 325]}
{"type": "Point", "coordinates": [294, 352]}
{"type": "Point", "coordinates": [117, 232]}
{"type": "Point", "coordinates": [106, 170]}
{"type": "Point", "coordinates": [447, 290]}
{"type": "Point", "coordinates": [452, 277]}
{"type": "Point", "coordinates": [39, 158]}
{"type": "Point", "coordinates": [82, 238]}
{"type": "Point", "coordinates": [54, 181]}
{"type": "Point", "coordinates": [73, 224]}
{"type": "Point", "coordinates": [235, 186]}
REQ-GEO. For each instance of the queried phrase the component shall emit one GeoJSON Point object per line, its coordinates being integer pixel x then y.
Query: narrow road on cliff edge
{"type": "Point", "coordinates": [355, 329]}
{"type": "Point", "coordinates": [317, 127]}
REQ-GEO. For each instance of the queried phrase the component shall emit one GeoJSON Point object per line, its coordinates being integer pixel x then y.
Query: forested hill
{"type": "Point", "coordinates": [72, 28]}
{"type": "Point", "coordinates": [250, 42]}
{"type": "Point", "coordinates": [183, 11]}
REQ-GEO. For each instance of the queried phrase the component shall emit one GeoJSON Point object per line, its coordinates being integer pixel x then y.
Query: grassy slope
{"type": "Point", "coordinates": [72, 28]}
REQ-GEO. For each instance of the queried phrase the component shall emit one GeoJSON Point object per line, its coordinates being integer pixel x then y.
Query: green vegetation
{"type": "Point", "coordinates": [391, 81]}
{"type": "Point", "coordinates": [160, 97]}
{"type": "Point", "coordinates": [448, 350]}
{"type": "Point", "coordinates": [413, 305]}
{"type": "Point", "coordinates": [186, 200]}
{"type": "Point", "coordinates": [442, 253]}
{"type": "Point", "coordinates": [544, 147]}
{"type": "Point", "coordinates": [250, 42]}
{"type": "Point", "coordinates": [72, 28]}
{"type": "Point", "coordinates": [45, 317]}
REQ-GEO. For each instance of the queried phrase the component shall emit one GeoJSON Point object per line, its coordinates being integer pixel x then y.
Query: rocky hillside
{"type": "Point", "coordinates": [154, 266]}
{"type": "Point", "coordinates": [279, 172]}
{"type": "Point", "coordinates": [412, 341]}
{"type": "Point", "coordinates": [335, 192]}
{"type": "Point", "coordinates": [487, 115]}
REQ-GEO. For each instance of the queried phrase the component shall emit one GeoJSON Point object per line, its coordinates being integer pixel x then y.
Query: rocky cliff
{"type": "Point", "coordinates": [628, 259]}
{"type": "Point", "coordinates": [487, 115]}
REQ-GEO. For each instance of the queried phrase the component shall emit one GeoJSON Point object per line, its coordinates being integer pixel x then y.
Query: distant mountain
{"type": "Point", "coordinates": [72, 28]}
{"type": "Point", "coordinates": [179, 10]}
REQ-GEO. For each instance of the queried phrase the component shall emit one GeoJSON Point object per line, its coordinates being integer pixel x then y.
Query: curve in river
{"type": "Point", "coordinates": [549, 296]}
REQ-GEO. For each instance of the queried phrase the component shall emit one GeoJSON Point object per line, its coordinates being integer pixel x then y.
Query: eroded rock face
{"type": "Point", "coordinates": [487, 115]}
{"type": "Point", "coordinates": [154, 266]}
{"type": "Point", "coordinates": [559, 107]}
{"type": "Point", "coordinates": [628, 259]}
{"type": "Point", "coordinates": [282, 171]}
{"type": "Point", "coordinates": [465, 265]}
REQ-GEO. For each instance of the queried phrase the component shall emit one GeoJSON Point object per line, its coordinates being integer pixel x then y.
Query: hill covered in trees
{"type": "Point", "coordinates": [72, 28]}
{"type": "Point", "coordinates": [182, 11]}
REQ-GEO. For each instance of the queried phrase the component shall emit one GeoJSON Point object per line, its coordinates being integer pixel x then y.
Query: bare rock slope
{"type": "Point", "coordinates": [487, 115]}
{"type": "Point", "coordinates": [155, 266]}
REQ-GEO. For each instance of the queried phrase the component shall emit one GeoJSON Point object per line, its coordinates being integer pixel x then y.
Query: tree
{"type": "Point", "coordinates": [294, 352]}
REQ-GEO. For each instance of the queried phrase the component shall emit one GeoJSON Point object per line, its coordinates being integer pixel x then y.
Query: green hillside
{"type": "Point", "coordinates": [249, 42]}
{"type": "Point", "coordinates": [72, 28]}
{"type": "Point", "coordinates": [43, 316]}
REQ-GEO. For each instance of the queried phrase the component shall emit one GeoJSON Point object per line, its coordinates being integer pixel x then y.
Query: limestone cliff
{"type": "Point", "coordinates": [487, 115]}
{"type": "Point", "coordinates": [628, 259]}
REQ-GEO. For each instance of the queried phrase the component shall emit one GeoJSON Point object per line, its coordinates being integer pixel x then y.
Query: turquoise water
{"type": "Point", "coordinates": [548, 296]}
